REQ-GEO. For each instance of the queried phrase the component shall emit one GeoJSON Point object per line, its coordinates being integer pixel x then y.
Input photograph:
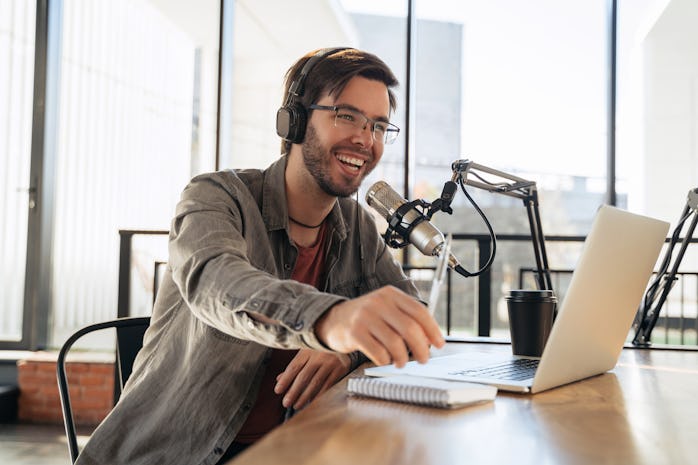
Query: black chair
{"type": "Point", "coordinates": [129, 340]}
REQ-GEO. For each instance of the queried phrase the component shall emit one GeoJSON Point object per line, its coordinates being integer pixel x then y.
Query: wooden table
{"type": "Point", "coordinates": [645, 411]}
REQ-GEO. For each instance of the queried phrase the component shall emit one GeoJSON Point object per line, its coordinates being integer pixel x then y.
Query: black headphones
{"type": "Point", "coordinates": [292, 117]}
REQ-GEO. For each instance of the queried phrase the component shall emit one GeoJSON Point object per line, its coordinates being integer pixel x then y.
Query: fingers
{"type": "Point", "coordinates": [285, 378]}
{"type": "Point", "coordinates": [370, 343]}
{"type": "Point", "coordinates": [303, 388]}
{"type": "Point", "coordinates": [309, 374]}
{"type": "Point", "coordinates": [389, 338]}
{"type": "Point", "coordinates": [414, 340]}
{"type": "Point", "coordinates": [386, 325]}
{"type": "Point", "coordinates": [421, 316]}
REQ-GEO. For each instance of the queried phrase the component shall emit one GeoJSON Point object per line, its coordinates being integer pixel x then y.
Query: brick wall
{"type": "Point", "coordinates": [91, 384]}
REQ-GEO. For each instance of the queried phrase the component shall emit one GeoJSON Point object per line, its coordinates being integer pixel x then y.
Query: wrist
{"type": "Point", "coordinates": [321, 328]}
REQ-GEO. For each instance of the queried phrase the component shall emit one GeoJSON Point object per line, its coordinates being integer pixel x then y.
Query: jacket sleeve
{"type": "Point", "coordinates": [209, 259]}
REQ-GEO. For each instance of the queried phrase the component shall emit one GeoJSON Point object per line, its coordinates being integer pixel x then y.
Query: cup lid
{"type": "Point", "coordinates": [531, 294]}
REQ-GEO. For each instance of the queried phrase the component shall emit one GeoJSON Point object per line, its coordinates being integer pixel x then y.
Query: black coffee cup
{"type": "Point", "coordinates": [531, 315]}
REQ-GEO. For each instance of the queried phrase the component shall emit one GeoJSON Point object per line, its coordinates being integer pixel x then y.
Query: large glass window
{"type": "Point", "coordinates": [138, 102]}
{"type": "Point", "coordinates": [519, 87]}
{"type": "Point", "coordinates": [657, 132]}
{"type": "Point", "coordinates": [17, 26]}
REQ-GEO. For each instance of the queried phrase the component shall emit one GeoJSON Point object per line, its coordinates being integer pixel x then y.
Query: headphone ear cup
{"type": "Point", "coordinates": [301, 122]}
{"type": "Point", "coordinates": [292, 117]}
{"type": "Point", "coordinates": [290, 122]}
{"type": "Point", "coordinates": [283, 122]}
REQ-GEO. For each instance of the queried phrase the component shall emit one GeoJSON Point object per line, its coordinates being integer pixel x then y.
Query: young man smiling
{"type": "Point", "coordinates": [278, 283]}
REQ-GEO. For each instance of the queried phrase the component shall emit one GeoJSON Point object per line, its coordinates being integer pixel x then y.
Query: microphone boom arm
{"type": "Point", "coordinates": [517, 187]}
{"type": "Point", "coordinates": [658, 291]}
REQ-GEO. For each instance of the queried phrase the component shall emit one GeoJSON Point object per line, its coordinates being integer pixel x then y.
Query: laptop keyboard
{"type": "Point", "coordinates": [512, 370]}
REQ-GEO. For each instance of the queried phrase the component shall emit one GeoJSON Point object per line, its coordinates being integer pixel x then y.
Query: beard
{"type": "Point", "coordinates": [318, 160]}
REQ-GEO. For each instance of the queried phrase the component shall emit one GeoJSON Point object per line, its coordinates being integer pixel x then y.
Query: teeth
{"type": "Point", "coordinates": [351, 160]}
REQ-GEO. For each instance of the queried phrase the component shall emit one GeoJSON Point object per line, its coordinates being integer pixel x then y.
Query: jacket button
{"type": "Point", "coordinates": [218, 450]}
{"type": "Point", "coordinates": [298, 326]}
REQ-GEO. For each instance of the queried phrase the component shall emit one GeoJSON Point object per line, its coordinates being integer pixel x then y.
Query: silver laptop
{"type": "Point", "coordinates": [592, 323]}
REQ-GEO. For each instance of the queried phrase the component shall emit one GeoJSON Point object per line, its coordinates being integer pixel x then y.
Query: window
{"type": "Point", "coordinates": [138, 106]}
{"type": "Point", "coordinates": [521, 87]}
{"type": "Point", "coordinates": [17, 28]}
{"type": "Point", "coordinates": [518, 87]}
{"type": "Point", "coordinates": [657, 133]}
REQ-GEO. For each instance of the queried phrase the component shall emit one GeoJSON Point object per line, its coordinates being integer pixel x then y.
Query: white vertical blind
{"type": "Point", "coordinates": [17, 26]}
{"type": "Point", "coordinates": [124, 145]}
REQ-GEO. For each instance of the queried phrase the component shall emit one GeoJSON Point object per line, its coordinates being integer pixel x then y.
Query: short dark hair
{"type": "Point", "coordinates": [331, 75]}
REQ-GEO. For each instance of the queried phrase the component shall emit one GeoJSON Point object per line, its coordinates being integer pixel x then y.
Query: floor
{"type": "Point", "coordinates": [28, 444]}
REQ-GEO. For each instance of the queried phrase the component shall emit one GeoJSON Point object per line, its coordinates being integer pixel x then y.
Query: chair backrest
{"type": "Point", "coordinates": [129, 340]}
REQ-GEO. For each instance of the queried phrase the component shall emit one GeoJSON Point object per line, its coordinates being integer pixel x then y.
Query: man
{"type": "Point", "coordinates": [277, 282]}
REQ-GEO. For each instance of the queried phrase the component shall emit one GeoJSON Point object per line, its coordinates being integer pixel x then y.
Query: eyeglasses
{"type": "Point", "coordinates": [382, 131]}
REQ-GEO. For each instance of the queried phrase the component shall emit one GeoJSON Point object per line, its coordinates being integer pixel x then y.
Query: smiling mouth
{"type": "Point", "coordinates": [351, 162]}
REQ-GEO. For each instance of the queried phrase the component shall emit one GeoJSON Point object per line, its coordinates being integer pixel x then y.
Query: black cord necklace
{"type": "Point", "coordinates": [305, 225]}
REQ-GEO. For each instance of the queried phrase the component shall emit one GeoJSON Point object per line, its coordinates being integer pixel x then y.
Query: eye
{"type": "Point", "coordinates": [347, 116]}
{"type": "Point", "coordinates": [380, 127]}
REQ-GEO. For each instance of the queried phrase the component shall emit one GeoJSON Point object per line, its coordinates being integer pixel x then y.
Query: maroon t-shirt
{"type": "Point", "coordinates": [268, 412]}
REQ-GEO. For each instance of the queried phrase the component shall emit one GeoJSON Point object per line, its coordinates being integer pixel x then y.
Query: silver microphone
{"type": "Point", "coordinates": [416, 227]}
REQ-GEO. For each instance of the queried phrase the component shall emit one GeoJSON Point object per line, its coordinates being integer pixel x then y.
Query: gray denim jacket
{"type": "Point", "coordinates": [230, 258]}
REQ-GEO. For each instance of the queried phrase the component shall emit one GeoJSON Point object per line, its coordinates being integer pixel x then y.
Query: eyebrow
{"type": "Point", "coordinates": [382, 119]}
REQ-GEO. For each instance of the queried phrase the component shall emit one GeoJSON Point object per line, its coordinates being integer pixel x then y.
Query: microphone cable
{"type": "Point", "coordinates": [493, 239]}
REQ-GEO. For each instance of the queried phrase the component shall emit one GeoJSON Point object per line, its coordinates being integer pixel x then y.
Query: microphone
{"type": "Point", "coordinates": [406, 221]}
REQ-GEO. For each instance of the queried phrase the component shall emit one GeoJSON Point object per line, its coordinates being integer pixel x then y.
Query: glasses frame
{"type": "Point", "coordinates": [389, 135]}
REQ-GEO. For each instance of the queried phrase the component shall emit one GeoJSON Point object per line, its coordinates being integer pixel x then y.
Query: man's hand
{"type": "Point", "coordinates": [385, 325]}
{"type": "Point", "coordinates": [309, 374]}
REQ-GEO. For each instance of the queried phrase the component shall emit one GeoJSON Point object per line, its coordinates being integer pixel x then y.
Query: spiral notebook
{"type": "Point", "coordinates": [429, 392]}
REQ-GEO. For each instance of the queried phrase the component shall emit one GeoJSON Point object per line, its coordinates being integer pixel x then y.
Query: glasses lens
{"type": "Point", "coordinates": [346, 116]}
{"type": "Point", "coordinates": [391, 134]}
{"type": "Point", "coordinates": [382, 131]}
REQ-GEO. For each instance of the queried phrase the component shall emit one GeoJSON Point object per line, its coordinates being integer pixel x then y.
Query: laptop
{"type": "Point", "coordinates": [592, 323]}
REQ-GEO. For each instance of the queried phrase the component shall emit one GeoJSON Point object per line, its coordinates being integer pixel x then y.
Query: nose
{"type": "Point", "coordinates": [363, 135]}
